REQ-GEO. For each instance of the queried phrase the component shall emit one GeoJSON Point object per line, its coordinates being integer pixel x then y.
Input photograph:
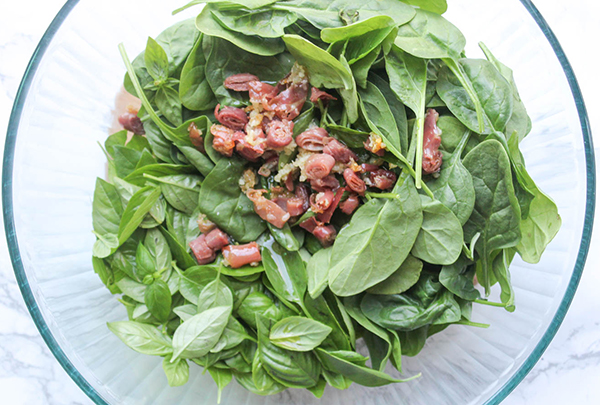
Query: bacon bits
{"type": "Point", "coordinates": [319, 166]}
{"type": "Point", "coordinates": [316, 95]}
{"type": "Point", "coordinates": [432, 157]}
{"type": "Point", "coordinates": [231, 117]}
{"type": "Point", "coordinates": [382, 179]}
{"type": "Point", "coordinates": [196, 137]}
{"type": "Point", "coordinates": [131, 122]}
{"type": "Point", "coordinates": [239, 82]}
{"type": "Point", "coordinates": [279, 134]}
{"type": "Point", "coordinates": [354, 183]}
{"type": "Point", "coordinates": [223, 139]}
{"type": "Point", "coordinates": [313, 140]}
{"type": "Point", "coordinates": [268, 210]}
{"type": "Point", "coordinates": [339, 151]}
{"type": "Point", "coordinates": [204, 253]}
{"type": "Point", "coordinates": [349, 205]}
{"type": "Point", "coordinates": [237, 256]}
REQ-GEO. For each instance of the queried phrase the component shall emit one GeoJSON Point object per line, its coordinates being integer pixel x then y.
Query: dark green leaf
{"type": "Point", "coordinates": [401, 280]}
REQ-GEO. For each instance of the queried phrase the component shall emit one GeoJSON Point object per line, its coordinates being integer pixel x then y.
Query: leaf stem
{"type": "Point", "coordinates": [171, 183]}
{"type": "Point", "coordinates": [460, 74]}
{"type": "Point", "coordinates": [489, 303]}
{"type": "Point", "coordinates": [474, 324]}
{"type": "Point", "coordinates": [389, 196]}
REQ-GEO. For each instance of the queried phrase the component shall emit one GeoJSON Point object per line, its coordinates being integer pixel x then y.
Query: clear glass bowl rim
{"type": "Point", "coordinates": [88, 389]}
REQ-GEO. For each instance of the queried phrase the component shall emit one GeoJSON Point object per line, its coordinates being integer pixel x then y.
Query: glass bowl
{"type": "Point", "coordinates": [68, 101]}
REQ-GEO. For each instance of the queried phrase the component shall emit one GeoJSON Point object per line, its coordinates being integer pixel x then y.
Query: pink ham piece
{"type": "Point", "coordinates": [310, 224]}
{"type": "Point", "coordinates": [382, 179]}
{"type": "Point", "coordinates": [367, 167]}
{"type": "Point", "coordinates": [319, 166]}
{"type": "Point", "coordinates": [339, 151]}
{"type": "Point", "coordinates": [269, 165]}
{"type": "Point", "coordinates": [268, 210]}
{"type": "Point", "coordinates": [296, 205]}
{"type": "Point", "coordinates": [237, 256]}
{"type": "Point", "coordinates": [231, 117]}
{"type": "Point", "coordinates": [350, 204]}
{"type": "Point", "coordinates": [239, 82]}
{"type": "Point", "coordinates": [432, 157]}
{"type": "Point", "coordinates": [326, 183]}
{"type": "Point", "coordinates": [204, 224]}
{"type": "Point", "coordinates": [313, 140]}
{"type": "Point", "coordinates": [248, 151]}
{"type": "Point", "coordinates": [288, 104]}
{"type": "Point", "coordinates": [354, 183]}
{"type": "Point", "coordinates": [131, 122]}
{"type": "Point", "coordinates": [279, 134]}
{"type": "Point", "coordinates": [204, 254]}
{"type": "Point", "coordinates": [261, 93]}
{"type": "Point", "coordinates": [196, 137]}
{"type": "Point", "coordinates": [217, 239]}
{"type": "Point", "coordinates": [319, 202]}
{"type": "Point", "coordinates": [326, 215]}
{"type": "Point", "coordinates": [316, 95]}
{"type": "Point", "coordinates": [325, 234]}
{"type": "Point", "coordinates": [223, 139]}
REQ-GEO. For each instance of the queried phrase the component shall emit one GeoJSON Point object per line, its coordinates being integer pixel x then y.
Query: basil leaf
{"type": "Point", "coordinates": [285, 270]}
{"type": "Point", "coordinates": [106, 216]}
{"type": "Point", "coordinates": [215, 294]}
{"type": "Point", "coordinates": [158, 300]}
{"type": "Point", "coordinates": [177, 373]}
{"type": "Point", "coordinates": [298, 334]}
{"type": "Point", "coordinates": [194, 91]}
{"type": "Point", "coordinates": [317, 270]}
{"type": "Point", "coordinates": [194, 280]}
{"type": "Point", "coordinates": [142, 338]}
{"type": "Point", "coordinates": [156, 61]}
{"type": "Point", "coordinates": [196, 336]}
{"type": "Point", "coordinates": [137, 208]}
{"type": "Point", "coordinates": [222, 378]}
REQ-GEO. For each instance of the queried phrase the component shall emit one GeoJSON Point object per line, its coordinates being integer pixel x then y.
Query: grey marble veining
{"type": "Point", "coordinates": [568, 372]}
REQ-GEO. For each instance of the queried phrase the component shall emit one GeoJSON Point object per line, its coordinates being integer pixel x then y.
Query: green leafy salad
{"type": "Point", "coordinates": [303, 174]}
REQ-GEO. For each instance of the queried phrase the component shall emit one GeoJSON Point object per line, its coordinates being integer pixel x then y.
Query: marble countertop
{"type": "Point", "coordinates": [568, 372]}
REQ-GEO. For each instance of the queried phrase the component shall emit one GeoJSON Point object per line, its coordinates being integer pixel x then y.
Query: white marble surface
{"type": "Point", "coordinates": [568, 372]}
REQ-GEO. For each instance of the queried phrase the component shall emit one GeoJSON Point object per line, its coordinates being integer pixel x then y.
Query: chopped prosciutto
{"type": "Point", "coordinates": [223, 139]}
{"type": "Point", "coordinates": [325, 234]}
{"type": "Point", "coordinates": [367, 167]}
{"type": "Point", "coordinates": [196, 137]}
{"type": "Point", "coordinates": [432, 157]}
{"type": "Point", "coordinates": [310, 224]}
{"type": "Point", "coordinates": [382, 179]}
{"type": "Point", "coordinates": [231, 117]}
{"type": "Point", "coordinates": [131, 122]}
{"type": "Point", "coordinates": [319, 166]}
{"type": "Point", "coordinates": [248, 151]}
{"type": "Point", "coordinates": [320, 202]}
{"type": "Point", "coordinates": [316, 95]}
{"type": "Point", "coordinates": [339, 151]}
{"type": "Point", "coordinates": [217, 239]}
{"type": "Point", "coordinates": [279, 134]}
{"type": "Point", "coordinates": [326, 183]}
{"type": "Point", "coordinates": [289, 102]}
{"type": "Point", "coordinates": [204, 224]}
{"type": "Point", "coordinates": [313, 140]}
{"type": "Point", "coordinates": [269, 165]}
{"type": "Point", "coordinates": [350, 204]}
{"type": "Point", "coordinates": [354, 183]}
{"type": "Point", "coordinates": [261, 93]}
{"type": "Point", "coordinates": [204, 253]}
{"type": "Point", "coordinates": [237, 256]}
{"type": "Point", "coordinates": [239, 82]}
{"type": "Point", "coordinates": [268, 210]}
{"type": "Point", "coordinates": [326, 215]}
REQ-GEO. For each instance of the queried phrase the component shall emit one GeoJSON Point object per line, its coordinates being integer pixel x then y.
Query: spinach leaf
{"type": "Point", "coordinates": [496, 214]}
{"type": "Point", "coordinates": [125, 159]}
{"type": "Point", "coordinates": [320, 310]}
{"type": "Point", "coordinates": [397, 108]}
{"type": "Point", "coordinates": [379, 235]}
{"type": "Point", "coordinates": [401, 280]}
{"type": "Point", "coordinates": [458, 279]}
{"type": "Point", "coordinates": [222, 378]}
{"type": "Point", "coordinates": [290, 368]}
{"type": "Point", "coordinates": [325, 71]}
{"type": "Point", "coordinates": [359, 374]}
{"type": "Point", "coordinates": [167, 101]}
{"type": "Point", "coordinates": [435, 6]}
{"type": "Point", "coordinates": [196, 336]}
{"type": "Point", "coordinates": [378, 115]}
{"type": "Point", "coordinates": [285, 237]}
{"type": "Point", "coordinates": [222, 201]}
{"type": "Point", "coordinates": [543, 222]}
{"type": "Point", "coordinates": [285, 270]}
{"type": "Point", "coordinates": [197, 159]}
{"type": "Point", "coordinates": [519, 120]}
{"type": "Point", "coordinates": [353, 138]}
{"type": "Point", "coordinates": [180, 253]}
{"type": "Point", "coordinates": [180, 190]}
{"type": "Point", "coordinates": [317, 271]}
{"type": "Point", "coordinates": [336, 34]}
{"type": "Point", "coordinates": [194, 90]}
{"type": "Point", "coordinates": [500, 266]}
{"type": "Point", "coordinates": [331, 14]}
{"type": "Point", "coordinates": [106, 217]}
{"type": "Point", "coordinates": [299, 334]}
{"type": "Point", "coordinates": [160, 145]}
{"type": "Point", "coordinates": [265, 23]}
{"type": "Point", "coordinates": [177, 373]}
{"type": "Point", "coordinates": [454, 186]}
{"type": "Point", "coordinates": [142, 338]}
{"type": "Point", "coordinates": [491, 90]}
{"type": "Point", "coordinates": [360, 68]}
{"type": "Point", "coordinates": [209, 26]}
{"type": "Point", "coordinates": [139, 176]}
{"type": "Point", "coordinates": [440, 239]}
{"type": "Point", "coordinates": [249, 4]}
{"type": "Point", "coordinates": [225, 59]}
